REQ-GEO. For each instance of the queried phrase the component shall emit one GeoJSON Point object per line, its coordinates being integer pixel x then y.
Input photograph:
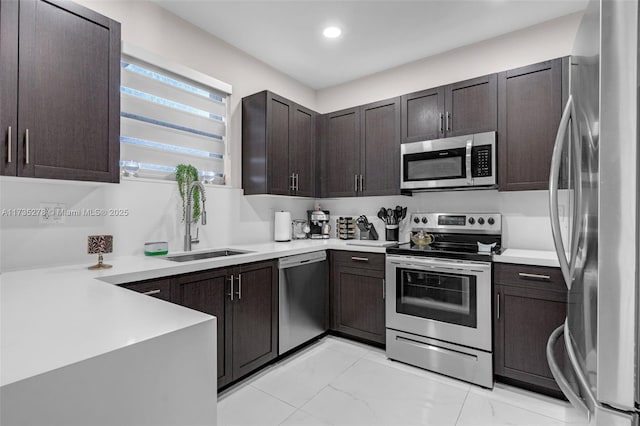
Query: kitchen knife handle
{"type": "Point", "coordinates": [9, 145]}
{"type": "Point", "coordinates": [26, 146]}
{"type": "Point", "coordinates": [231, 288]}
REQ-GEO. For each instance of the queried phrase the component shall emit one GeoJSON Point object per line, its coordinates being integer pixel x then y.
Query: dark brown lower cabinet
{"type": "Point", "coordinates": [254, 316]}
{"type": "Point", "coordinates": [530, 302]}
{"type": "Point", "coordinates": [159, 288]}
{"type": "Point", "coordinates": [357, 295]}
{"type": "Point", "coordinates": [244, 299]}
{"type": "Point", "coordinates": [208, 292]}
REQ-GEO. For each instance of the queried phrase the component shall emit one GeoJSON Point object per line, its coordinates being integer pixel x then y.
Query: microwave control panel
{"type": "Point", "coordinates": [481, 161]}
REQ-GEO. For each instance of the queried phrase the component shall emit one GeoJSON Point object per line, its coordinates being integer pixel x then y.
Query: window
{"type": "Point", "coordinates": [170, 114]}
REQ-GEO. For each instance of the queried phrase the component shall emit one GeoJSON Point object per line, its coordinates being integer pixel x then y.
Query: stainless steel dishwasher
{"type": "Point", "coordinates": [303, 291]}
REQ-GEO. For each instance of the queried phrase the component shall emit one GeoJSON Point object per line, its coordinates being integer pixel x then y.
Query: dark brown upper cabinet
{"type": "Point", "coordinates": [529, 112]}
{"type": "Point", "coordinates": [341, 146]}
{"type": "Point", "coordinates": [60, 91]}
{"type": "Point", "coordinates": [278, 146]}
{"type": "Point", "coordinates": [460, 108]}
{"type": "Point", "coordinates": [362, 150]}
{"type": "Point", "coordinates": [423, 115]}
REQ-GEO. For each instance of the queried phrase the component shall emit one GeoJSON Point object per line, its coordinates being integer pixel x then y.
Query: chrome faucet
{"type": "Point", "coordinates": [189, 214]}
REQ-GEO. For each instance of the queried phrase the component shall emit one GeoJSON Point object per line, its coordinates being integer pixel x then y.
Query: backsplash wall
{"type": "Point", "coordinates": [154, 214]}
{"type": "Point", "coordinates": [525, 214]}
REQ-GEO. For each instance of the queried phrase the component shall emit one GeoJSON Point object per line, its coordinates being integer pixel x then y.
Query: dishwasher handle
{"type": "Point", "coordinates": [301, 259]}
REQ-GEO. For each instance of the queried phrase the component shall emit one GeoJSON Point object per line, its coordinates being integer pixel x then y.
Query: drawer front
{"type": "Point", "coordinates": [359, 259]}
{"type": "Point", "coordinates": [160, 289]}
{"type": "Point", "coordinates": [530, 276]}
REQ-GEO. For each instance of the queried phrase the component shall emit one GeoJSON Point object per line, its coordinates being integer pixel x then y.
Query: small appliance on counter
{"type": "Point", "coordinates": [300, 229]}
{"type": "Point", "coordinates": [319, 227]}
{"type": "Point", "coordinates": [346, 227]}
{"type": "Point", "coordinates": [367, 230]}
{"type": "Point", "coordinates": [282, 226]}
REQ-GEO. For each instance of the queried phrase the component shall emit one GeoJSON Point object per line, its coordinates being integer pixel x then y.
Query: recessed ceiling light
{"type": "Point", "coordinates": [332, 32]}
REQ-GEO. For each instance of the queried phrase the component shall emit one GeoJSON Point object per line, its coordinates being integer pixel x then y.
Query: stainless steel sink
{"type": "Point", "coordinates": [204, 255]}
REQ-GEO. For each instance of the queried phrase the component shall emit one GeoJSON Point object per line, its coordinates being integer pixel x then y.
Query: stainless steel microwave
{"type": "Point", "coordinates": [456, 162]}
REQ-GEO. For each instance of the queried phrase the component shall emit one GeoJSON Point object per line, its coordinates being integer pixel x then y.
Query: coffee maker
{"type": "Point", "coordinates": [319, 224]}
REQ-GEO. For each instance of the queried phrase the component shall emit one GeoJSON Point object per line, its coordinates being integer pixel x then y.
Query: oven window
{"type": "Point", "coordinates": [438, 296]}
{"type": "Point", "coordinates": [447, 164]}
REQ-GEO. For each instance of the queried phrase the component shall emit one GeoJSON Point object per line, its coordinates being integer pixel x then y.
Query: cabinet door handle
{"type": "Point", "coordinates": [355, 183]}
{"type": "Point", "coordinates": [151, 292]}
{"type": "Point", "coordinates": [297, 182]}
{"type": "Point", "coordinates": [291, 182]}
{"type": "Point", "coordinates": [239, 293]}
{"type": "Point", "coordinates": [441, 123]}
{"type": "Point", "coordinates": [361, 179]}
{"type": "Point", "coordinates": [449, 121]}
{"type": "Point", "coordinates": [9, 145]}
{"type": "Point", "coordinates": [231, 288]}
{"type": "Point", "coordinates": [26, 146]}
{"type": "Point", "coordinates": [541, 277]}
{"type": "Point", "coordinates": [359, 259]}
{"type": "Point", "coordinates": [383, 290]}
{"type": "Point", "coordinates": [498, 306]}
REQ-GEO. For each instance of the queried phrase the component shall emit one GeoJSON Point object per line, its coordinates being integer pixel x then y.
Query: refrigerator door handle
{"type": "Point", "coordinates": [553, 191]}
{"type": "Point", "coordinates": [561, 380]}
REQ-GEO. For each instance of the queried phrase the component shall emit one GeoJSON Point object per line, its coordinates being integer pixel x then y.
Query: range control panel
{"type": "Point", "coordinates": [490, 223]}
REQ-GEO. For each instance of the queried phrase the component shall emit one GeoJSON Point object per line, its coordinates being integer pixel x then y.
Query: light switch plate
{"type": "Point", "coordinates": [52, 213]}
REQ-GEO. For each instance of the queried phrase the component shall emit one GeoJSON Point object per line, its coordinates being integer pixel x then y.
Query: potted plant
{"type": "Point", "coordinates": [185, 175]}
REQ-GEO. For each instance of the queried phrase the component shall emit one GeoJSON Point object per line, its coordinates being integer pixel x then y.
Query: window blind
{"type": "Point", "coordinates": [167, 119]}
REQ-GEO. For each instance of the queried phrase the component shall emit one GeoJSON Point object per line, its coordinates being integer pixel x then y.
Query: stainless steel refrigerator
{"type": "Point", "coordinates": [594, 182]}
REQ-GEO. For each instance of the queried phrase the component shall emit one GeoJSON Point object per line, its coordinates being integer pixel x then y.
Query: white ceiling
{"type": "Point", "coordinates": [377, 35]}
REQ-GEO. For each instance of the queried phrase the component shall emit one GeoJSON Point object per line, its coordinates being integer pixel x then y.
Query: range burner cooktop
{"type": "Point", "coordinates": [455, 236]}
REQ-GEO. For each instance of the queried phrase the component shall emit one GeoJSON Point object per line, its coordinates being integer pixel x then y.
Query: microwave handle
{"type": "Point", "coordinates": [468, 161]}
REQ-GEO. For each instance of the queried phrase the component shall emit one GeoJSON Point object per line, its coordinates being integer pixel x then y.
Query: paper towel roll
{"type": "Point", "coordinates": [282, 228]}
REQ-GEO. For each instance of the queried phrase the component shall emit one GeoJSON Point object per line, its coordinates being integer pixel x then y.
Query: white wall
{"type": "Point", "coordinates": [154, 212]}
{"type": "Point", "coordinates": [525, 215]}
{"type": "Point", "coordinates": [146, 25]}
{"type": "Point", "coordinates": [548, 40]}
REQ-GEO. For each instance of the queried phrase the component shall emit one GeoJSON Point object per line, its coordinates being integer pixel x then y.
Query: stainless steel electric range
{"type": "Point", "coordinates": [438, 295]}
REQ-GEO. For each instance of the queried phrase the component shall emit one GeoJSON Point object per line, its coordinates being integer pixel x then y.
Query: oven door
{"type": "Point", "coordinates": [443, 299]}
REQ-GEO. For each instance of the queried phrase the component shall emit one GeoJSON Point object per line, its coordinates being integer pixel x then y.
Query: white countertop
{"type": "Point", "coordinates": [136, 268]}
{"type": "Point", "coordinates": [54, 317]}
{"type": "Point", "coordinates": [528, 257]}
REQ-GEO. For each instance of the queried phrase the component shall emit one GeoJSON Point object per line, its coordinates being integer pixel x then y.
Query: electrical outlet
{"type": "Point", "coordinates": [52, 213]}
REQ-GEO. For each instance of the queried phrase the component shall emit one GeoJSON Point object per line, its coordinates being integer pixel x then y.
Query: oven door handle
{"type": "Point", "coordinates": [472, 267]}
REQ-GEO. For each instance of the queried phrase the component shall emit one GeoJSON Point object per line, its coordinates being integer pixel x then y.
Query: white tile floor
{"type": "Point", "coordinates": [339, 382]}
